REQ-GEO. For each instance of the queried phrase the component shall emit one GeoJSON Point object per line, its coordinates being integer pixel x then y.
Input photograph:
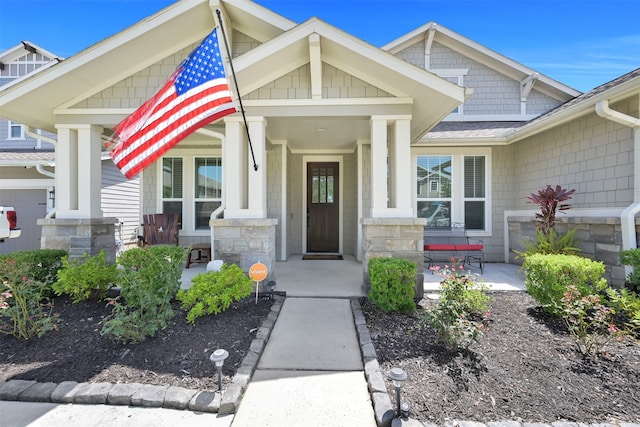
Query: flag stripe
{"type": "Point", "coordinates": [196, 93]}
{"type": "Point", "coordinates": [162, 143]}
{"type": "Point", "coordinates": [170, 110]}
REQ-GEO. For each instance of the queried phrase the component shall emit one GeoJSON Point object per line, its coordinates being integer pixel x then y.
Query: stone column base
{"type": "Point", "coordinates": [80, 236]}
{"type": "Point", "coordinates": [394, 238]}
{"type": "Point", "coordinates": [245, 242]}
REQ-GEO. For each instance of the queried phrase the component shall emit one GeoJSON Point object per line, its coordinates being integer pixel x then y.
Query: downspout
{"type": "Point", "coordinates": [627, 218]}
{"type": "Point", "coordinates": [33, 133]}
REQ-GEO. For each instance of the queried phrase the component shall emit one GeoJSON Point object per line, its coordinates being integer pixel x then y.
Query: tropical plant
{"type": "Point", "coordinates": [550, 200]}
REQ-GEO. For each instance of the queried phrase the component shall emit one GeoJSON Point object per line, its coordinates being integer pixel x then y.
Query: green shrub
{"type": "Point", "coordinates": [85, 278]}
{"type": "Point", "coordinates": [461, 316]}
{"type": "Point", "coordinates": [214, 291]}
{"type": "Point", "coordinates": [149, 280]}
{"type": "Point", "coordinates": [547, 278]}
{"type": "Point", "coordinates": [43, 263]}
{"type": "Point", "coordinates": [626, 306]}
{"type": "Point", "coordinates": [24, 309]}
{"type": "Point", "coordinates": [392, 284]}
{"type": "Point", "coordinates": [631, 257]}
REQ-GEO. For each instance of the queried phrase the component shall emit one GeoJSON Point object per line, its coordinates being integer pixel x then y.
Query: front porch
{"type": "Point", "coordinates": [343, 279]}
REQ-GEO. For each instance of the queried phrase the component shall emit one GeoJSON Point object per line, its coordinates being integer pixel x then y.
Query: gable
{"type": "Point", "coordinates": [335, 84]}
{"type": "Point", "coordinates": [242, 43]}
{"type": "Point", "coordinates": [494, 93]}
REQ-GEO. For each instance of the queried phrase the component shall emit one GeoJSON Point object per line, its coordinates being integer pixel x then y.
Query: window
{"type": "Point", "coordinates": [208, 189]}
{"type": "Point", "coordinates": [16, 131]}
{"type": "Point", "coordinates": [453, 188]}
{"type": "Point", "coordinates": [193, 199]}
{"type": "Point", "coordinates": [434, 190]}
{"type": "Point", "coordinates": [455, 76]}
{"type": "Point", "coordinates": [172, 183]}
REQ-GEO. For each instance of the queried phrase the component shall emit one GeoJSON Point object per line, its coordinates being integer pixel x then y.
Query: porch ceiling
{"type": "Point", "coordinates": [304, 134]}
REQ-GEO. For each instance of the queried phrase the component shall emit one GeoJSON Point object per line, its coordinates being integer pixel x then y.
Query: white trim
{"type": "Point", "coordinates": [311, 159]}
{"type": "Point", "coordinates": [26, 184]}
{"type": "Point", "coordinates": [188, 185]}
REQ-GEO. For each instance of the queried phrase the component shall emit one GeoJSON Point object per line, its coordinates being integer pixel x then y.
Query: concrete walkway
{"type": "Point", "coordinates": [310, 372]}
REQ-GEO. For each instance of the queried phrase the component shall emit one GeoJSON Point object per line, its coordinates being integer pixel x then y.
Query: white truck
{"type": "Point", "coordinates": [8, 223]}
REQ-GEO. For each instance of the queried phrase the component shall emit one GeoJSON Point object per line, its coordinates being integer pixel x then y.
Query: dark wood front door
{"type": "Point", "coordinates": [323, 231]}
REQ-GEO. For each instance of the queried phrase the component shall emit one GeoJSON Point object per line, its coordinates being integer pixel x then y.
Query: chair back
{"type": "Point", "coordinates": [161, 229]}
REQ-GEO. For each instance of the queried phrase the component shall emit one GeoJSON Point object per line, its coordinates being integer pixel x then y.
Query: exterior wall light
{"type": "Point", "coordinates": [218, 357]}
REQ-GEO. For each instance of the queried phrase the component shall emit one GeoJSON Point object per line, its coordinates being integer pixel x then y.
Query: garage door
{"type": "Point", "coordinates": [30, 206]}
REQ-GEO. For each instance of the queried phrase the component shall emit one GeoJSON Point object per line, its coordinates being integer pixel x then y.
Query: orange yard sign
{"type": "Point", "coordinates": [258, 272]}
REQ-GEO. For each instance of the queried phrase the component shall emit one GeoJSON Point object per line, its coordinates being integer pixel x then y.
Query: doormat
{"type": "Point", "coordinates": [323, 256]}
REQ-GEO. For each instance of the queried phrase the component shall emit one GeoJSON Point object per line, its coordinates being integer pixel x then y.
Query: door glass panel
{"type": "Point", "coordinates": [322, 185]}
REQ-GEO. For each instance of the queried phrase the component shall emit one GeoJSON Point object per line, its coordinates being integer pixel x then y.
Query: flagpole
{"type": "Point", "coordinates": [235, 82]}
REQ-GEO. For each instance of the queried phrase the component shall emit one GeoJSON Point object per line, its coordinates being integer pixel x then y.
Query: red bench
{"type": "Point", "coordinates": [452, 240]}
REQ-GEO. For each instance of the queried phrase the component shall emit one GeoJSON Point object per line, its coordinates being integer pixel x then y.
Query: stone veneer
{"type": "Point", "coordinates": [397, 238]}
{"type": "Point", "coordinates": [599, 238]}
{"type": "Point", "coordinates": [245, 242]}
{"type": "Point", "coordinates": [79, 236]}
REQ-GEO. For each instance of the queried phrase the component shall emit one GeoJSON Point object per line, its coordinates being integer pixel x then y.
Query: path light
{"type": "Point", "coordinates": [271, 284]}
{"type": "Point", "coordinates": [397, 376]}
{"type": "Point", "coordinates": [218, 357]}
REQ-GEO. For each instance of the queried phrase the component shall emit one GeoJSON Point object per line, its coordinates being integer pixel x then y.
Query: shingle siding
{"type": "Point", "coordinates": [592, 155]}
{"type": "Point", "coordinates": [494, 93]}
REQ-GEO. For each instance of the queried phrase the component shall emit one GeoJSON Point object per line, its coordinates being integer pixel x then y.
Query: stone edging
{"type": "Point", "coordinates": [147, 395]}
{"type": "Point", "coordinates": [384, 411]}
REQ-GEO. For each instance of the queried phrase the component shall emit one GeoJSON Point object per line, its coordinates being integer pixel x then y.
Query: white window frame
{"type": "Point", "coordinates": [13, 125]}
{"type": "Point", "coordinates": [457, 182]}
{"type": "Point", "coordinates": [455, 76]}
{"type": "Point", "coordinates": [188, 187]}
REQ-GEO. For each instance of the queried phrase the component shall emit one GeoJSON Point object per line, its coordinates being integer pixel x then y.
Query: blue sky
{"type": "Point", "coordinates": [582, 43]}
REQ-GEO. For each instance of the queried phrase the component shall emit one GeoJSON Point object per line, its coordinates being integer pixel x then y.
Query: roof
{"type": "Point", "coordinates": [472, 130]}
{"type": "Point", "coordinates": [612, 91]}
{"type": "Point", "coordinates": [26, 157]}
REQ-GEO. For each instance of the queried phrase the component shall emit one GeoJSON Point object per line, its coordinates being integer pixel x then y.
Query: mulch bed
{"type": "Point", "coordinates": [524, 369]}
{"type": "Point", "coordinates": [177, 355]}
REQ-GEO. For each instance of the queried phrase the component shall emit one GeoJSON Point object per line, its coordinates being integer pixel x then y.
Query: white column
{"type": "Point", "coordinates": [402, 168]}
{"type": "Point", "coordinates": [379, 190]}
{"type": "Point", "coordinates": [257, 179]}
{"type": "Point", "coordinates": [234, 166]}
{"type": "Point", "coordinates": [66, 172]}
{"type": "Point", "coordinates": [89, 172]}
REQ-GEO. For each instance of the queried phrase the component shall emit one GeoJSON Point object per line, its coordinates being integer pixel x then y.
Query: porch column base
{"type": "Point", "coordinates": [79, 236]}
{"type": "Point", "coordinates": [245, 242]}
{"type": "Point", "coordinates": [394, 238]}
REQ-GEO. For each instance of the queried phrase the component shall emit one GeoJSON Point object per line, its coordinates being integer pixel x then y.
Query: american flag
{"type": "Point", "coordinates": [195, 94]}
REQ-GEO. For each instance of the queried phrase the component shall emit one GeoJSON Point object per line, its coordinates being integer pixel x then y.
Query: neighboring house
{"type": "Point", "coordinates": [356, 146]}
{"type": "Point", "coordinates": [27, 164]}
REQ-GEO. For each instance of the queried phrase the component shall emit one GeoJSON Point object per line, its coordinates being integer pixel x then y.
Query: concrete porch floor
{"type": "Point", "coordinates": [344, 279]}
